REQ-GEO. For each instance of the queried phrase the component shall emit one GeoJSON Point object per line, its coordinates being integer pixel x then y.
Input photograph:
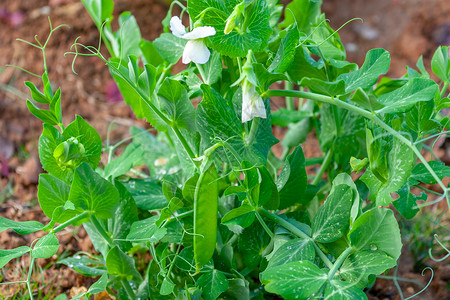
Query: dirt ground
{"type": "Point", "coordinates": [407, 28]}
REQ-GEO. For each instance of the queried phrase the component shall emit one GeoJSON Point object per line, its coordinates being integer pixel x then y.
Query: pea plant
{"type": "Point", "coordinates": [214, 213]}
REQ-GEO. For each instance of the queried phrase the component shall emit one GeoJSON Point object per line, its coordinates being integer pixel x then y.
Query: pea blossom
{"type": "Point", "coordinates": [195, 49]}
{"type": "Point", "coordinates": [252, 103]}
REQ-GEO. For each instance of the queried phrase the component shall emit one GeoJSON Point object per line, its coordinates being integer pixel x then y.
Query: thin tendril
{"type": "Point", "coordinates": [442, 245]}
{"type": "Point", "coordinates": [428, 284]}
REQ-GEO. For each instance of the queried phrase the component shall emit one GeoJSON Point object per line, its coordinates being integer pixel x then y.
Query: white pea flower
{"type": "Point", "coordinates": [252, 103]}
{"type": "Point", "coordinates": [195, 50]}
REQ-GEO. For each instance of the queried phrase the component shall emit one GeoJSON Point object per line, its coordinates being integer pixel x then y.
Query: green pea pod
{"type": "Point", "coordinates": [205, 216]}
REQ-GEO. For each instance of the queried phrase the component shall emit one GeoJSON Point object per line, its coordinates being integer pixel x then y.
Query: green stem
{"type": "Point", "coordinates": [362, 112]}
{"type": "Point", "coordinates": [289, 100]}
{"type": "Point", "coordinates": [280, 221]}
{"type": "Point", "coordinates": [180, 216]}
{"type": "Point", "coordinates": [431, 136]}
{"type": "Point", "coordinates": [185, 145]}
{"type": "Point", "coordinates": [110, 242]}
{"type": "Point", "coordinates": [128, 289]}
{"type": "Point", "coordinates": [71, 222]}
{"type": "Point", "coordinates": [250, 138]}
{"type": "Point", "coordinates": [102, 231]}
{"type": "Point", "coordinates": [323, 167]}
{"type": "Point", "coordinates": [202, 73]}
{"type": "Point", "coordinates": [338, 263]}
{"type": "Point", "coordinates": [30, 271]}
{"type": "Point", "coordinates": [444, 89]}
{"type": "Point", "coordinates": [264, 225]}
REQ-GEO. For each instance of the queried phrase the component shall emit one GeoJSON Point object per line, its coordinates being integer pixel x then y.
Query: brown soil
{"type": "Point", "coordinates": [407, 28]}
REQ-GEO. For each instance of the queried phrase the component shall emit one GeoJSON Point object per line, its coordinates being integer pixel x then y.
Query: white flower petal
{"type": "Point", "coordinates": [252, 105]}
{"type": "Point", "coordinates": [196, 51]}
{"type": "Point", "coordinates": [177, 27]}
{"type": "Point", "coordinates": [200, 32]}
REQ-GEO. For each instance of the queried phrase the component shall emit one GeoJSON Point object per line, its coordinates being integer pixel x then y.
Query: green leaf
{"type": "Point", "coordinates": [125, 215]}
{"type": "Point", "coordinates": [366, 100]}
{"type": "Point", "coordinates": [7, 255]}
{"type": "Point", "coordinates": [127, 37]}
{"type": "Point", "coordinates": [327, 42]}
{"type": "Point", "coordinates": [292, 181]}
{"type": "Point", "coordinates": [376, 63]}
{"type": "Point", "coordinates": [333, 218]}
{"type": "Point", "coordinates": [324, 87]}
{"type": "Point", "coordinates": [23, 228]}
{"type": "Point", "coordinates": [205, 216]}
{"type": "Point", "coordinates": [121, 265]}
{"type": "Point", "coordinates": [216, 120]}
{"type": "Point", "coordinates": [302, 12]}
{"type": "Point", "coordinates": [150, 54]}
{"type": "Point", "coordinates": [90, 192]}
{"type": "Point", "coordinates": [377, 229]}
{"type": "Point", "coordinates": [86, 266]}
{"type": "Point", "coordinates": [341, 290]}
{"type": "Point", "coordinates": [402, 99]}
{"type": "Point", "coordinates": [147, 193]}
{"type": "Point", "coordinates": [99, 10]}
{"type": "Point", "coordinates": [305, 66]}
{"type": "Point", "coordinates": [46, 246]}
{"type": "Point", "coordinates": [268, 191]}
{"type": "Point", "coordinates": [169, 47]}
{"type": "Point", "coordinates": [440, 63]}
{"type": "Point", "coordinates": [137, 96]}
{"type": "Point", "coordinates": [97, 287]}
{"type": "Point", "coordinates": [286, 51]}
{"type": "Point", "coordinates": [346, 179]}
{"type": "Point", "coordinates": [166, 286]}
{"type": "Point", "coordinates": [175, 103]}
{"type": "Point", "coordinates": [251, 244]}
{"type": "Point", "coordinates": [52, 193]}
{"type": "Point", "coordinates": [88, 137]}
{"type": "Point", "coordinates": [291, 251]}
{"type": "Point", "coordinates": [406, 204]}
{"type": "Point", "coordinates": [239, 218]}
{"type": "Point", "coordinates": [295, 280]}
{"type": "Point", "coordinates": [121, 165]}
{"type": "Point", "coordinates": [284, 117]}
{"type": "Point", "coordinates": [238, 289]}
{"type": "Point", "coordinates": [400, 164]}
{"type": "Point", "coordinates": [420, 120]}
{"type": "Point", "coordinates": [421, 173]}
{"type": "Point", "coordinates": [213, 68]}
{"type": "Point", "coordinates": [359, 266]}
{"type": "Point", "coordinates": [146, 231]}
{"type": "Point", "coordinates": [240, 40]}
{"type": "Point", "coordinates": [212, 284]}
{"type": "Point", "coordinates": [45, 115]}
{"type": "Point", "coordinates": [36, 94]}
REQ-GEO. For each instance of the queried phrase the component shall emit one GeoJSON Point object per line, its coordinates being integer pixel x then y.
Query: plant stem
{"type": "Point", "coordinates": [185, 145]}
{"type": "Point", "coordinates": [323, 167]}
{"type": "Point", "coordinates": [30, 271]}
{"type": "Point", "coordinates": [289, 100]}
{"type": "Point", "coordinates": [102, 231]}
{"type": "Point", "coordinates": [264, 225]}
{"type": "Point", "coordinates": [70, 222]}
{"type": "Point", "coordinates": [128, 289]}
{"type": "Point", "coordinates": [280, 221]}
{"type": "Point", "coordinates": [364, 113]}
{"type": "Point", "coordinates": [444, 89]}
{"type": "Point", "coordinates": [202, 73]}
{"type": "Point", "coordinates": [338, 263]}
{"type": "Point", "coordinates": [250, 138]}
{"type": "Point", "coordinates": [108, 239]}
